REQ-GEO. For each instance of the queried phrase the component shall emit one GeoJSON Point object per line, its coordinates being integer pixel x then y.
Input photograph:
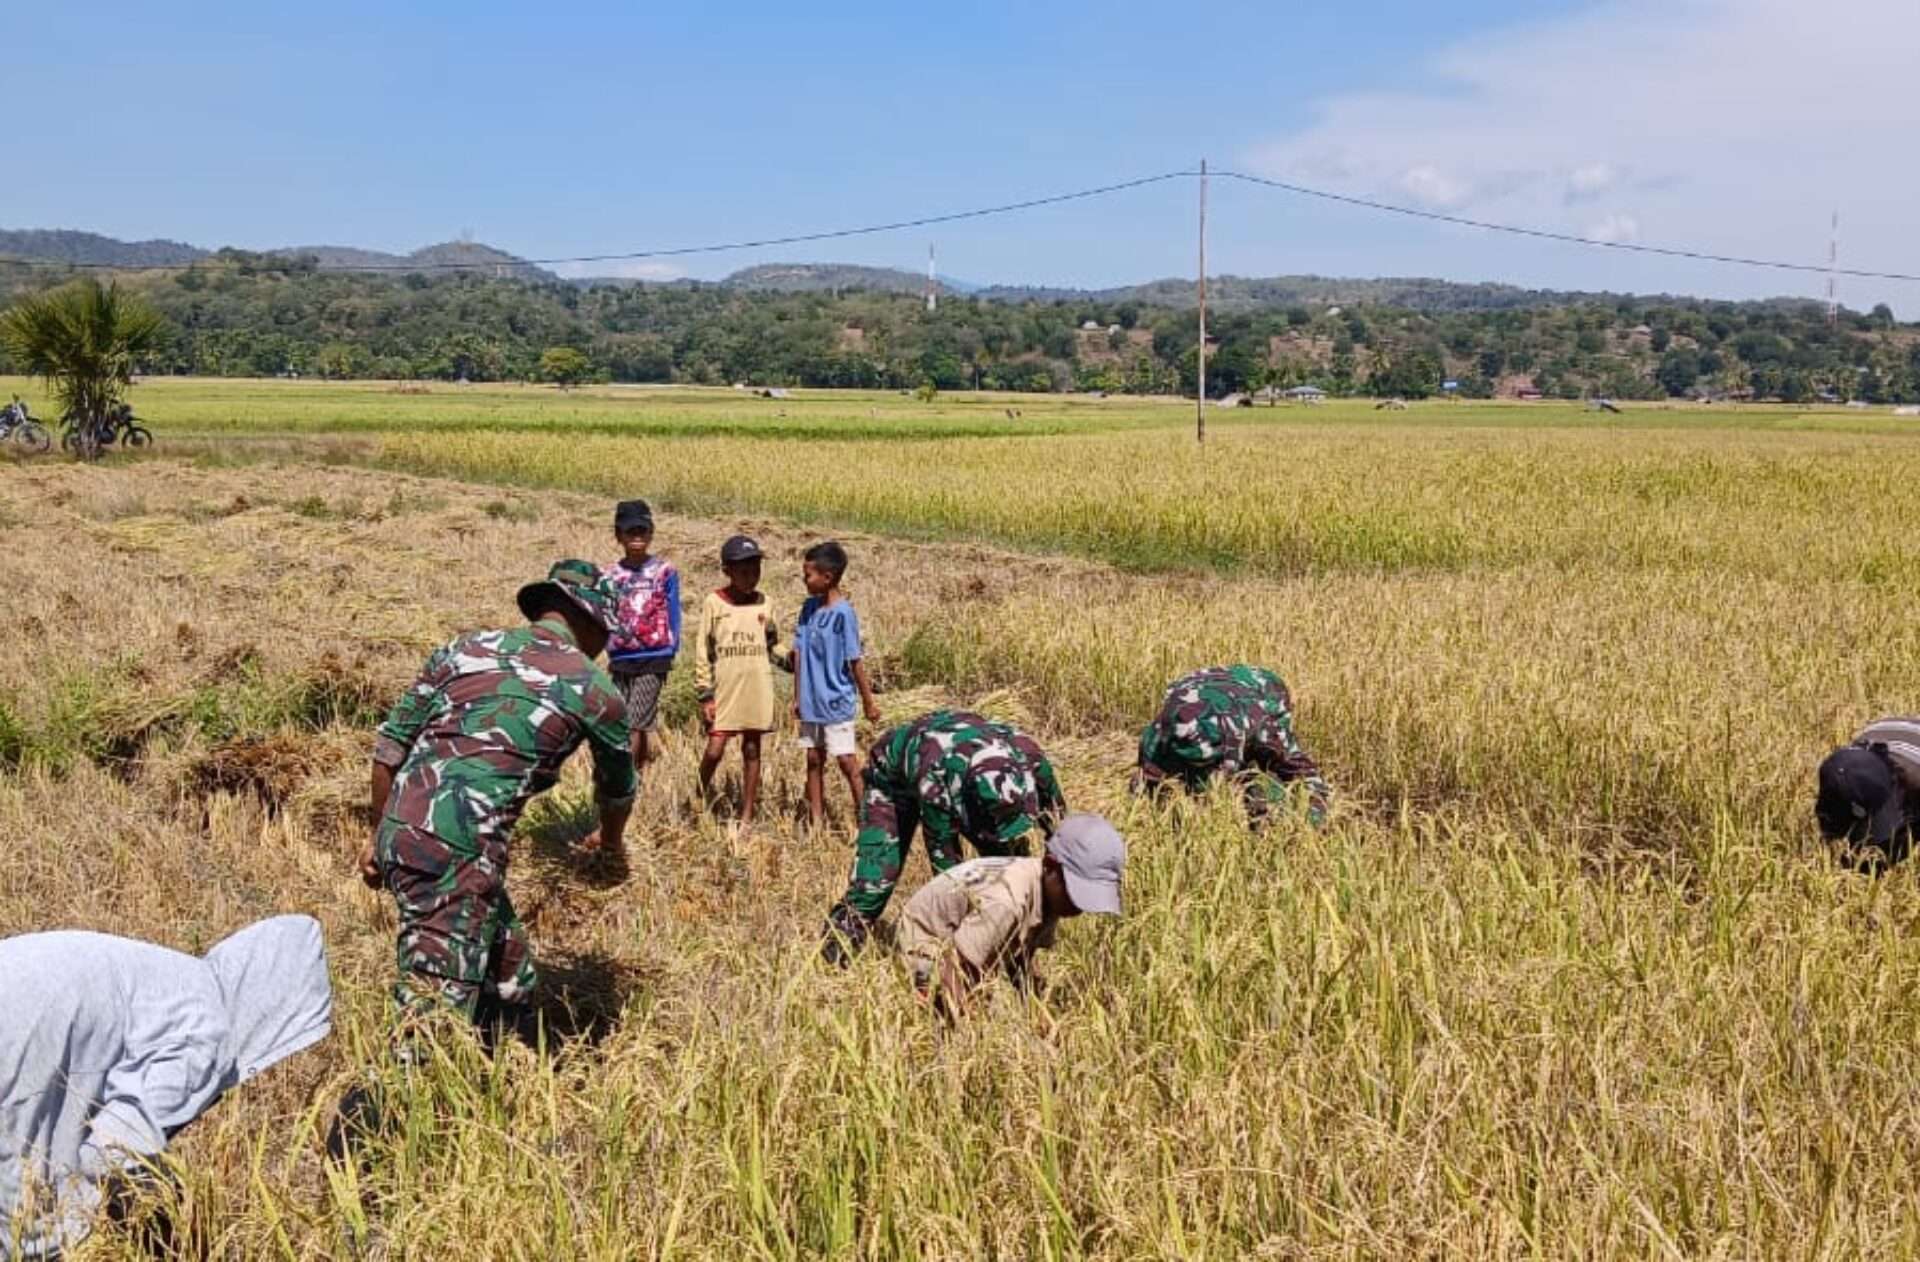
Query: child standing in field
{"type": "Point", "coordinates": [641, 651]}
{"type": "Point", "coordinates": [827, 671]}
{"type": "Point", "coordinates": [736, 644]}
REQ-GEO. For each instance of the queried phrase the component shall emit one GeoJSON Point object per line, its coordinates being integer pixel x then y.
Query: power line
{"type": "Point", "coordinates": [682, 251]}
{"type": "Point", "coordinates": [835, 234]}
{"type": "Point", "coordinates": [1545, 235]}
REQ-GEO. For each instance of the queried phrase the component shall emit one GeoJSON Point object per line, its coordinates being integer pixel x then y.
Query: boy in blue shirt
{"type": "Point", "coordinates": [826, 672]}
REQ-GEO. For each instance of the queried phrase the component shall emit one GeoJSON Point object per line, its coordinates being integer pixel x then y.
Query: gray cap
{"type": "Point", "coordinates": [739, 548]}
{"type": "Point", "coordinates": [1091, 854]}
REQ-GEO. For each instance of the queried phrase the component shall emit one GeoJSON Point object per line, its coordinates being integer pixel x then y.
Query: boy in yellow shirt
{"type": "Point", "coordinates": [736, 644]}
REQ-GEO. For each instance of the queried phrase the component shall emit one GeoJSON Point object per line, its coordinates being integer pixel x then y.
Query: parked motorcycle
{"type": "Point", "coordinates": [118, 425]}
{"type": "Point", "coordinates": [18, 426]}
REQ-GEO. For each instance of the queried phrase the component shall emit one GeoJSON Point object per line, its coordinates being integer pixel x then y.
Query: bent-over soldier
{"type": "Point", "coordinates": [953, 774]}
{"type": "Point", "coordinates": [1234, 723]}
{"type": "Point", "coordinates": [486, 726]}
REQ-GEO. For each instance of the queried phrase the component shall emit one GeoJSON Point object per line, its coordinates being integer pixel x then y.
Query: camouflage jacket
{"type": "Point", "coordinates": [488, 724]}
{"type": "Point", "coordinates": [971, 776]}
{"type": "Point", "coordinates": [1228, 721]}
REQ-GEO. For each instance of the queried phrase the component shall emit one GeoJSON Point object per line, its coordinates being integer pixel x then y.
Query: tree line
{"type": "Point", "coordinates": [239, 314]}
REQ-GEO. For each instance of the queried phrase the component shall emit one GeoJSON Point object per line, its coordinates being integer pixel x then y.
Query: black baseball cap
{"type": "Point", "coordinates": [739, 548]}
{"type": "Point", "coordinates": [1860, 799]}
{"type": "Point", "coordinates": [632, 515]}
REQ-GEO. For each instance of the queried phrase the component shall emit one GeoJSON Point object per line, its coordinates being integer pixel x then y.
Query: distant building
{"type": "Point", "coordinates": [1306, 394]}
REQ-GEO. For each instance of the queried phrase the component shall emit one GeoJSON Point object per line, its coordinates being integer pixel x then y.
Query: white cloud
{"type": "Point", "coordinates": [1590, 180]}
{"type": "Point", "coordinates": [1735, 126]}
{"type": "Point", "coordinates": [1614, 228]}
{"type": "Point", "coordinates": [621, 269]}
{"type": "Point", "coordinates": [1431, 186]}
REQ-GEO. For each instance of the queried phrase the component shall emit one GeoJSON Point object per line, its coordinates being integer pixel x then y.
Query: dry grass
{"type": "Point", "coordinates": [1566, 977]}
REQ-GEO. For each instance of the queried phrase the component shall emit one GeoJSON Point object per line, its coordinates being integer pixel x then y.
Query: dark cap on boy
{"type": "Point", "coordinates": [739, 548]}
{"type": "Point", "coordinates": [632, 515]}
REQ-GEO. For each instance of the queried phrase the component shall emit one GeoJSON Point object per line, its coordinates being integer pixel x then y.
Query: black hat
{"type": "Point", "coordinates": [739, 548]}
{"type": "Point", "coordinates": [1860, 798]}
{"type": "Point", "coordinates": [632, 515]}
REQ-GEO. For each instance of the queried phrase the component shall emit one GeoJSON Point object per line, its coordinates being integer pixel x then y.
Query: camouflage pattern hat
{"type": "Point", "coordinates": [580, 582]}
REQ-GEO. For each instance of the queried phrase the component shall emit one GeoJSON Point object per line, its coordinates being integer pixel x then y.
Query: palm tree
{"type": "Point", "coordinates": [83, 340]}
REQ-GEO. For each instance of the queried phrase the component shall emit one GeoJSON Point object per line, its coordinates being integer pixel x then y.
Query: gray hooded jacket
{"type": "Point", "coordinates": [108, 1046]}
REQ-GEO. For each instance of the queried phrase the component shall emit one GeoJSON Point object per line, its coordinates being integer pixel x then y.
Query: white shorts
{"type": "Point", "coordinates": [836, 738]}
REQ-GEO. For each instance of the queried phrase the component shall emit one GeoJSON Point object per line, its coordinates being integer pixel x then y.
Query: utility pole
{"type": "Point", "coordinates": [1200, 395]}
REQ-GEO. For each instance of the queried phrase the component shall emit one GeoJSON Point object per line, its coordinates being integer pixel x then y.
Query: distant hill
{"type": "Point", "coordinates": [1249, 293]}
{"type": "Point", "coordinates": [63, 245]}
{"type": "Point", "coordinates": [446, 256]}
{"type": "Point", "coordinates": [801, 278]}
{"type": "Point", "coordinates": [342, 312]}
{"type": "Point", "coordinates": [1226, 294]}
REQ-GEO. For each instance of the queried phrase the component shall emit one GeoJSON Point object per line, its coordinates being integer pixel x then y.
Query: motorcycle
{"type": "Point", "coordinates": [18, 426]}
{"type": "Point", "coordinates": [118, 425]}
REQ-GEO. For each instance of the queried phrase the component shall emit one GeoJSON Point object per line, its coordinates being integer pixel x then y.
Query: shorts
{"type": "Point", "coordinates": [642, 693]}
{"type": "Point", "coordinates": [836, 738]}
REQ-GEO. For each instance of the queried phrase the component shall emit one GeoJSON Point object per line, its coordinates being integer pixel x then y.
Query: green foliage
{"type": "Point", "coordinates": [563, 365]}
{"type": "Point", "coordinates": [85, 340]}
{"type": "Point", "coordinates": [251, 315]}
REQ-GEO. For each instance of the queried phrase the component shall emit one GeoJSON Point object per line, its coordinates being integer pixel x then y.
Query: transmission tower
{"type": "Point", "coordinates": [1833, 262]}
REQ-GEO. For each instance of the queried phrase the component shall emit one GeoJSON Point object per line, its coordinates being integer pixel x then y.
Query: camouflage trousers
{"type": "Point", "coordinates": [889, 817]}
{"type": "Point", "coordinates": [460, 940]}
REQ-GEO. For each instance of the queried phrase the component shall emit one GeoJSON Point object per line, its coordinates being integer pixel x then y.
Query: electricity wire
{"type": "Point", "coordinates": [982, 212]}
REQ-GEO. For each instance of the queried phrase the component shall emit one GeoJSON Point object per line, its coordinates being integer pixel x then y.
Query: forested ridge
{"type": "Point", "coordinates": [240, 314]}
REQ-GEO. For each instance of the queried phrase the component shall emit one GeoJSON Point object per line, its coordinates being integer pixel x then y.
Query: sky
{"type": "Point", "coordinates": [1733, 126]}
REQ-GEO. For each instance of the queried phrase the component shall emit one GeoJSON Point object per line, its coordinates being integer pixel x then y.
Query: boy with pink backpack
{"type": "Point", "coordinates": [641, 651]}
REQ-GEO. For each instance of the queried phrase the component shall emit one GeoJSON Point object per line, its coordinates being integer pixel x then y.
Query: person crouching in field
{"type": "Point", "coordinates": [827, 671]}
{"type": "Point", "coordinates": [1234, 723]}
{"type": "Point", "coordinates": [646, 637]}
{"type": "Point", "coordinates": [109, 1046]}
{"type": "Point", "coordinates": [488, 724]}
{"type": "Point", "coordinates": [1869, 794]}
{"type": "Point", "coordinates": [954, 774]}
{"type": "Point", "coordinates": [736, 644]}
{"type": "Point", "coordinates": [996, 912]}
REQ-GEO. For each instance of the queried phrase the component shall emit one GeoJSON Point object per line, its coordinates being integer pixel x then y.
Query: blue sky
{"type": "Point", "coordinates": [1736, 125]}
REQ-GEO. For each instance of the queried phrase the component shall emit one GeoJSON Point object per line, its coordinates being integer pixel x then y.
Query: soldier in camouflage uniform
{"type": "Point", "coordinates": [1233, 722]}
{"type": "Point", "coordinates": [953, 774]}
{"type": "Point", "coordinates": [486, 726]}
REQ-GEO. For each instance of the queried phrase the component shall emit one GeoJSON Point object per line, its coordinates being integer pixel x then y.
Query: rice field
{"type": "Point", "coordinates": [1567, 976]}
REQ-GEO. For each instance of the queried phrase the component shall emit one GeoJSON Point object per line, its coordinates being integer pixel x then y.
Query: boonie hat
{"type": "Point", "coordinates": [632, 515]}
{"type": "Point", "coordinates": [1091, 854]}
{"type": "Point", "coordinates": [739, 548]}
{"type": "Point", "coordinates": [1860, 799]}
{"type": "Point", "coordinates": [579, 582]}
